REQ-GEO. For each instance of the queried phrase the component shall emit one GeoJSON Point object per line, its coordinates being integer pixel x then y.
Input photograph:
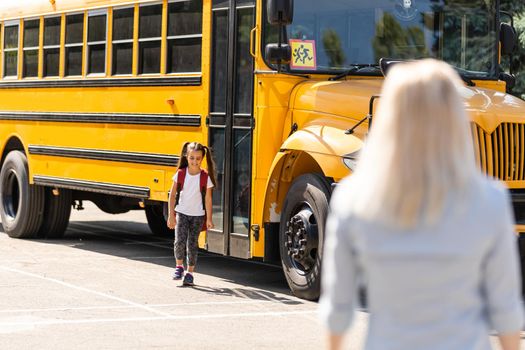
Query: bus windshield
{"type": "Point", "coordinates": [330, 36]}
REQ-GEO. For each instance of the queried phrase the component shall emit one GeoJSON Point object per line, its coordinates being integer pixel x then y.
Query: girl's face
{"type": "Point", "coordinates": [195, 159]}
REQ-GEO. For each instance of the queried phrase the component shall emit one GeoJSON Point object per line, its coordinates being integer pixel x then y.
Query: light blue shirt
{"type": "Point", "coordinates": [441, 287]}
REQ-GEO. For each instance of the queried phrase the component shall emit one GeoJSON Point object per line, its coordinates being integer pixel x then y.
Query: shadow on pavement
{"type": "Point", "coordinates": [258, 294]}
{"type": "Point", "coordinates": [134, 240]}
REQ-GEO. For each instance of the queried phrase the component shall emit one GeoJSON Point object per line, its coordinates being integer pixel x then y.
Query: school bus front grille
{"type": "Point", "coordinates": [501, 154]}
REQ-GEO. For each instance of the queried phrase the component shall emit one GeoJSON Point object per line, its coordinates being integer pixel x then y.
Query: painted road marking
{"type": "Point", "coordinates": [110, 307]}
{"type": "Point", "coordinates": [66, 284]}
{"type": "Point", "coordinates": [157, 318]}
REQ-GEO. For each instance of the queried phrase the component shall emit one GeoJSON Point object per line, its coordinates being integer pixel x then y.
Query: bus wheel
{"type": "Point", "coordinates": [301, 234]}
{"type": "Point", "coordinates": [21, 204]}
{"type": "Point", "coordinates": [156, 221]}
{"type": "Point", "coordinates": [57, 210]}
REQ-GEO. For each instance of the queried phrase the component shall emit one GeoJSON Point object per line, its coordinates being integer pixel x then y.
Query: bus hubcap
{"type": "Point", "coordinates": [301, 239]}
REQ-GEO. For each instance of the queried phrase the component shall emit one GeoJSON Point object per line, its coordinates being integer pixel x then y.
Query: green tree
{"type": "Point", "coordinates": [394, 41]}
{"type": "Point", "coordinates": [332, 47]}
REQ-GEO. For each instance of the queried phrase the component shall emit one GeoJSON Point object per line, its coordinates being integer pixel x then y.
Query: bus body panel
{"type": "Point", "coordinates": [121, 135]}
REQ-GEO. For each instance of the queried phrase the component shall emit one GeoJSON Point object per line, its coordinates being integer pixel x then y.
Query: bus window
{"type": "Point", "coordinates": [184, 36]}
{"type": "Point", "coordinates": [467, 37]}
{"type": "Point", "coordinates": [31, 38]}
{"type": "Point", "coordinates": [219, 60]}
{"type": "Point", "coordinates": [244, 67]}
{"type": "Point", "coordinates": [345, 33]}
{"type": "Point", "coordinates": [51, 46]}
{"type": "Point", "coordinates": [122, 41]}
{"type": "Point", "coordinates": [150, 38]}
{"type": "Point", "coordinates": [96, 45]}
{"type": "Point", "coordinates": [11, 49]}
{"type": "Point", "coordinates": [74, 43]}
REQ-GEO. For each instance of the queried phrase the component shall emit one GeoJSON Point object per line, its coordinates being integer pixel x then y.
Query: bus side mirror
{"type": "Point", "coordinates": [386, 63]}
{"type": "Point", "coordinates": [509, 79]}
{"type": "Point", "coordinates": [278, 54]}
{"type": "Point", "coordinates": [508, 38]}
{"type": "Point", "coordinates": [280, 12]}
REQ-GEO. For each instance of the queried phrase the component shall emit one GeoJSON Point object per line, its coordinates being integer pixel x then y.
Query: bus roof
{"type": "Point", "coordinates": [13, 9]}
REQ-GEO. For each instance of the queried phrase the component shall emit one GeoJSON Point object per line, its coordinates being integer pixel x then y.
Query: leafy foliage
{"type": "Point", "coordinates": [394, 41]}
{"type": "Point", "coordinates": [333, 48]}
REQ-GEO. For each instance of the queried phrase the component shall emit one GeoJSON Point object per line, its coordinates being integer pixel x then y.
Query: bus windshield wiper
{"type": "Point", "coordinates": [353, 69]}
{"type": "Point", "coordinates": [463, 74]}
{"type": "Point", "coordinates": [467, 79]}
{"type": "Point", "coordinates": [387, 63]}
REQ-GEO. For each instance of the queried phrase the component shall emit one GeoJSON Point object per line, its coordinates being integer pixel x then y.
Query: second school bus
{"type": "Point", "coordinates": [97, 98]}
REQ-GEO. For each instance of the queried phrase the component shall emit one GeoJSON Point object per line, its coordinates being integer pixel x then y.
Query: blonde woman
{"type": "Point", "coordinates": [431, 236]}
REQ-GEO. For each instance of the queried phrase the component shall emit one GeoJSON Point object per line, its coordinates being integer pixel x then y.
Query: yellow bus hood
{"type": "Point", "coordinates": [341, 98]}
{"type": "Point", "coordinates": [490, 108]}
{"type": "Point", "coordinates": [351, 99]}
{"type": "Point", "coordinates": [325, 108]}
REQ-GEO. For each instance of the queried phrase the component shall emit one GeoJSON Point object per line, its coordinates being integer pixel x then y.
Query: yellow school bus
{"type": "Point", "coordinates": [98, 96]}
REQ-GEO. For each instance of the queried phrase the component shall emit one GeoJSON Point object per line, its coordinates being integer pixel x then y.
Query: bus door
{"type": "Point", "coordinates": [231, 124]}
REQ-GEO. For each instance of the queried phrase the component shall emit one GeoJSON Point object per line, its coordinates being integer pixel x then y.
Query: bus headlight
{"type": "Point", "coordinates": [350, 160]}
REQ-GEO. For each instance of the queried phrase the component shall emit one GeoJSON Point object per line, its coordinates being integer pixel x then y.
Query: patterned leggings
{"type": "Point", "coordinates": [186, 237]}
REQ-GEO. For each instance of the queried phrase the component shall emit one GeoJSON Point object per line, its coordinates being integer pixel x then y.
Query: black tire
{"type": "Point", "coordinates": [57, 210]}
{"type": "Point", "coordinates": [157, 222]}
{"type": "Point", "coordinates": [301, 234]}
{"type": "Point", "coordinates": [21, 204]}
{"type": "Point", "coordinates": [521, 247]}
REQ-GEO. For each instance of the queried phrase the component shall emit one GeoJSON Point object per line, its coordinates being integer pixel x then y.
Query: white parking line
{"type": "Point", "coordinates": [111, 307]}
{"type": "Point", "coordinates": [86, 290]}
{"type": "Point", "coordinates": [142, 319]}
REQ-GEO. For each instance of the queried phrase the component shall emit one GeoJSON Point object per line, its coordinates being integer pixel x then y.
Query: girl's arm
{"type": "Point", "coordinates": [208, 199]}
{"type": "Point", "coordinates": [172, 219]}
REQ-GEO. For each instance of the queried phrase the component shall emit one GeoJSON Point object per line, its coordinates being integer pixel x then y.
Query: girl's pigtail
{"type": "Point", "coordinates": [211, 165]}
{"type": "Point", "coordinates": [183, 160]}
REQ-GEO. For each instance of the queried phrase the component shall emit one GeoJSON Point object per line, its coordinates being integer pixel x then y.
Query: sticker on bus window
{"type": "Point", "coordinates": [303, 54]}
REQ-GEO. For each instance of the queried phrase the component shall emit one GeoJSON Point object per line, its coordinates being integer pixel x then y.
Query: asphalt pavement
{"type": "Point", "coordinates": [107, 285]}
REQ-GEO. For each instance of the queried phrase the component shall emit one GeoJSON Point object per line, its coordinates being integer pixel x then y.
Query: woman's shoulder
{"type": "Point", "coordinates": [493, 191]}
{"type": "Point", "coordinates": [492, 199]}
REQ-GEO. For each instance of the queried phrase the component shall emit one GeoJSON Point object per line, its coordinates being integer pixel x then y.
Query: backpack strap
{"type": "Point", "coordinates": [181, 176]}
{"type": "Point", "coordinates": [203, 187]}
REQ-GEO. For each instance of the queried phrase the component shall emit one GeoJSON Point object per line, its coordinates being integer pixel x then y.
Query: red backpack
{"type": "Point", "coordinates": [203, 184]}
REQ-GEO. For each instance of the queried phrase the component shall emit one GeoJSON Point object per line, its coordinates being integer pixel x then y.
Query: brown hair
{"type": "Point", "coordinates": [206, 152]}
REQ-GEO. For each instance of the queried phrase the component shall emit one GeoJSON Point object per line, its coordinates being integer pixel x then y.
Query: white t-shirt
{"type": "Point", "coordinates": [190, 200]}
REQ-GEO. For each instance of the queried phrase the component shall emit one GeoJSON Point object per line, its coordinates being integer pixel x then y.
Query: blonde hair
{"type": "Point", "coordinates": [419, 150]}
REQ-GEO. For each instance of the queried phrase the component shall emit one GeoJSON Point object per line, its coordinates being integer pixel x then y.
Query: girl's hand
{"type": "Point", "coordinates": [209, 223]}
{"type": "Point", "coordinates": [172, 221]}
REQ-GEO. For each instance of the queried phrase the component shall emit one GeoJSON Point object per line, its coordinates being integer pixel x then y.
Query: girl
{"type": "Point", "coordinates": [190, 204]}
{"type": "Point", "coordinates": [431, 236]}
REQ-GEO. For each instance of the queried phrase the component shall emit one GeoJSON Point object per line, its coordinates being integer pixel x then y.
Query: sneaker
{"type": "Point", "coordinates": [188, 280]}
{"type": "Point", "coordinates": [179, 272]}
